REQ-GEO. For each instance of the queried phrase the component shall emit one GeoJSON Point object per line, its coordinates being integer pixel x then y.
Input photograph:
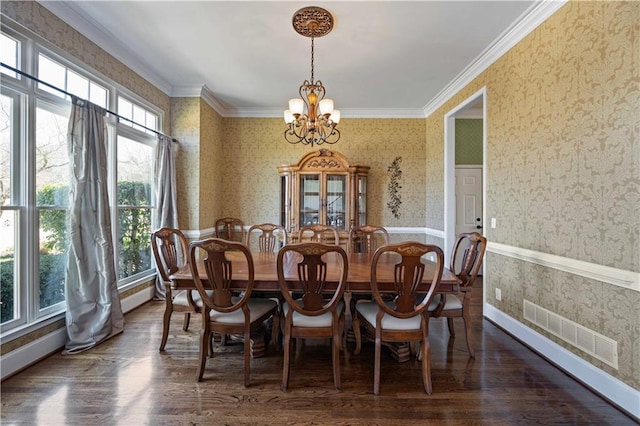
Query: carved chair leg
{"type": "Point", "coordinates": [356, 332]}
{"type": "Point", "coordinates": [205, 338]}
{"type": "Point", "coordinates": [335, 349]}
{"type": "Point", "coordinates": [275, 332]}
{"type": "Point", "coordinates": [287, 358]}
{"type": "Point", "coordinates": [247, 357]}
{"type": "Point", "coordinates": [185, 322]}
{"type": "Point", "coordinates": [467, 332]}
{"type": "Point", "coordinates": [452, 332]}
{"type": "Point", "coordinates": [342, 337]}
{"type": "Point", "coordinates": [166, 321]}
{"type": "Point", "coordinates": [376, 367]}
{"type": "Point", "coordinates": [425, 349]}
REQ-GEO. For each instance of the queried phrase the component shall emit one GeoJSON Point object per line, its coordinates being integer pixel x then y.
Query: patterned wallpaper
{"type": "Point", "coordinates": [563, 168]}
{"type": "Point", "coordinates": [185, 126]}
{"type": "Point", "coordinates": [211, 150]}
{"type": "Point", "coordinates": [254, 147]}
{"type": "Point", "coordinates": [468, 141]}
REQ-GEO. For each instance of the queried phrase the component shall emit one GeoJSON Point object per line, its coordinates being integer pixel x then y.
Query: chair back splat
{"type": "Point", "coordinates": [230, 228]}
{"type": "Point", "coordinates": [319, 234]}
{"type": "Point", "coordinates": [367, 238]}
{"type": "Point", "coordinates": [271, 237]}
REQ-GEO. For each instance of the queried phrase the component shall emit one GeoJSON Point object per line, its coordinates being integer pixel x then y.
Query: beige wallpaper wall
{"type": "Point", "coordinates": [254, 147]}
{"type": "Point", "coordinates": [563, 169]}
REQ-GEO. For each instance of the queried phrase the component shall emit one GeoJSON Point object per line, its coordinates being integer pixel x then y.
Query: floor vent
{"type": "Point", "coordinates": [596, 345]}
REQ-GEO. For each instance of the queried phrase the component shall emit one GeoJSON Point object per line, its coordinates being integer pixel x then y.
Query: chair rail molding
{"type": "Point", "coordinates": [619, 277]}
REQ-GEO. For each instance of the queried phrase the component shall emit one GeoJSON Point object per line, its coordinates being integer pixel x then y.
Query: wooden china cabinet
{"type": "Point", "coordinates": [323, 188]}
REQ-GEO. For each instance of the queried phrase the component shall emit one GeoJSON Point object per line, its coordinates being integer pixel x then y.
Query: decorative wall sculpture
{"type": "Point", "coordinates": [395, 198]}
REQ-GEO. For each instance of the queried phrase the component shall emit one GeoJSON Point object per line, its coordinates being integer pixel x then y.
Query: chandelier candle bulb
{"type": "Point", "coordinates": [326, 106]}
{"type": "Point", "coordinates": [296, 106]}
{"type": "Point", "coordinates": [288, 117]}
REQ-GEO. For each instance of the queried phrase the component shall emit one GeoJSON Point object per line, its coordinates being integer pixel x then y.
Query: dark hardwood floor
{"type": "Point", "coordinates": [126, 381]}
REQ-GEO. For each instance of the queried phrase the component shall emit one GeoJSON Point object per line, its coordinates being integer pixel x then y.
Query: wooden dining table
{"type": "Point", "coordinates": [358, 279]}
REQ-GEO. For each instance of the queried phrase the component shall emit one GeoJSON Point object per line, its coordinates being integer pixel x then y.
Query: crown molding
{"type": "Point", "coordinates": [527, 22]}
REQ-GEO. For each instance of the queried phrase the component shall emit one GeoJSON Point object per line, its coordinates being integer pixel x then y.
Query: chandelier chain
{"type": "Point", "coordinates": [312, 60]}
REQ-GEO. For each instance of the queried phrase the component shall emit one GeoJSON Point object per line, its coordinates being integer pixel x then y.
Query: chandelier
{"type": "Point", "coordinates": [318, 124]}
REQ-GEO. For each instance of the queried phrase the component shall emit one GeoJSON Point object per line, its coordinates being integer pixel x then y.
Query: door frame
{"type": "Point", "coordinates": [450, 166]}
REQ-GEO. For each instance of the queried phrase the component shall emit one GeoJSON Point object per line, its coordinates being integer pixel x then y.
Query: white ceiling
{"type": "Point", "coordinates": [382, 59]}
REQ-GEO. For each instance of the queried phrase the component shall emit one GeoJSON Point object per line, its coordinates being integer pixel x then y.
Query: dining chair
{"type": "Point", "coordinates": [271, 236]}
{"type": "Point", "coordinates": [230, 229]}
{"type": "Point", "coordinates": [319, 233]}
{"type": "Point", "coordinates": [465, 262]}
{"type": "Point", "coordinates": [222, 311]}
{"type": "Point", "coordinates": [364, 239]}
{"type": "Point", "coordinates": [367, 238]}
{"type": "Point", "coordinates": [406, 319]}
{"type": "Point", "coordinates": [319, 313]}
{"type": "Point", "coordinates": [170, 252]}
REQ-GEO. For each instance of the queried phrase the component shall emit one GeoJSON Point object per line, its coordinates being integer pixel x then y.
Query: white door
{"type": "Point", "coordinates": [469, 199]}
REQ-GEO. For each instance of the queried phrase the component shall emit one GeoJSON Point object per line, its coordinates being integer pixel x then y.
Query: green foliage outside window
{"type": "Point", "coordinates": [134, 243]}
{"type": "Point", "coordinates": [134, 222]}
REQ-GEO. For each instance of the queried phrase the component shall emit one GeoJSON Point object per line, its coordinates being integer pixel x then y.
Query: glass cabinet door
{"type": "Point", "coordinates": [309, 200]}
{"type": "Point", "coordinates": [285, 201]}
{"type": "Point", "coordinates": [361, 207]}
{"type": "Point", "coordinates": [336, 201]}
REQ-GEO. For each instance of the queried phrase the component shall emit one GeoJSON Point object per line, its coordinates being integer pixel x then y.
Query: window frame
{"type": "Point", "coordinates": [30, 46]}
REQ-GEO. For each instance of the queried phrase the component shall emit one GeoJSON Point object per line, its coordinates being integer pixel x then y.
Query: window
{"type": "Point", "coordinates": [135, 202]}
{"type": "Point", "coordinates": [52, 200]}
{"type": "Point", "coordinates": [10, 206]}
{"type": "Point", "coordinates": [35, 178]}
{"type": "Point", "coordinates": [70, 81]}
{"type": "Point", "coordinates": [136, 114]}
{"type": "Point", "coordinates": [9, 54]}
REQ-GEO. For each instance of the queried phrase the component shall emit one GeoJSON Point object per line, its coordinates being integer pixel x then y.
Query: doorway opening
{"type": "Point", "coordinates": [473, 215]}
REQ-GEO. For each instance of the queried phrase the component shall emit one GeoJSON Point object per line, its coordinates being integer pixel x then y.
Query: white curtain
{"type": "Point", "coordinates": [94, 312]}
{"type": "Point", "coordinates": [166, 197]}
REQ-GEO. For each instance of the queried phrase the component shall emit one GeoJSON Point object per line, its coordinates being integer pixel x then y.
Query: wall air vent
{"type": "Point", "coordinates": [595, 344]}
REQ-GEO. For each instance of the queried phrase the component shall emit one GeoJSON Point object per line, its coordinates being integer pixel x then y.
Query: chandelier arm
{"type": "Point", "coordinates": [335, 132]}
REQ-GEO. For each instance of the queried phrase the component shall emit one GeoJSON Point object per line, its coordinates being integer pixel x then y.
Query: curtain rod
{"type": "Point", "coordinates": [72, 95]}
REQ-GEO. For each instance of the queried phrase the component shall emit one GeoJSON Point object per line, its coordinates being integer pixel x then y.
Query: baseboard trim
{"type": "Point", "coordinates": [29, 354]}
{"type": "Point", "coordinates": [613, 390]}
